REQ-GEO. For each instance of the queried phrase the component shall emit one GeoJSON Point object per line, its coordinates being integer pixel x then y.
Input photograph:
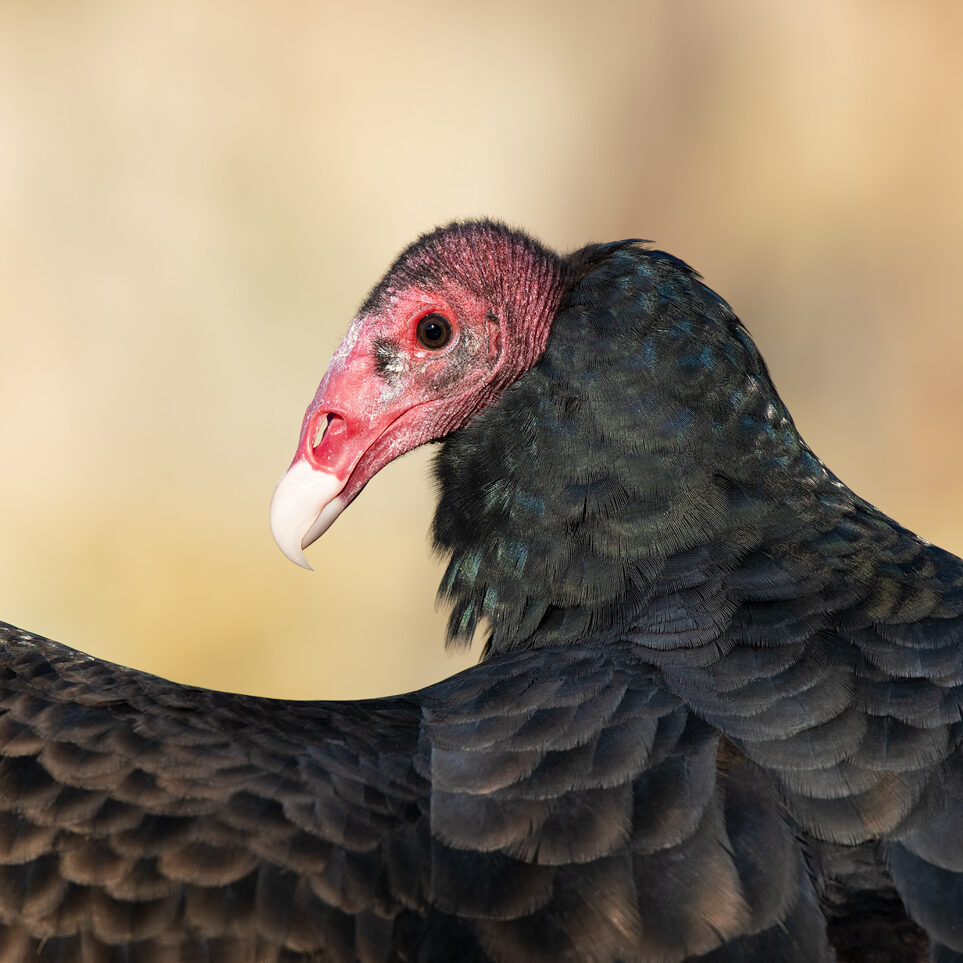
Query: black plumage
{"type": "Point", "coordinates": [718, 717]}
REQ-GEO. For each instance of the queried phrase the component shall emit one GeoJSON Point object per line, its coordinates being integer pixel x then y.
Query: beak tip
{"type": "Point", "coordinates": [291, 548]}
{"type": "Point", "coordinates": [296, 556]}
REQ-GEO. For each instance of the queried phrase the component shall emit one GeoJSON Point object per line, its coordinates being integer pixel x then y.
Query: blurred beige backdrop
{"type": "Point", "coordinates": [194, 197]}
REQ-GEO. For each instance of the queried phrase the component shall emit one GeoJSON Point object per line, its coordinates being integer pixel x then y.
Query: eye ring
{"type": "Point", "coordinates": [433, 331]}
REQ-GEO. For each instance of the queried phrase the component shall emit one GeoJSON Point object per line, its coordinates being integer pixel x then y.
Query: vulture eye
{"type": "Point", "coordinates": [434, 331]}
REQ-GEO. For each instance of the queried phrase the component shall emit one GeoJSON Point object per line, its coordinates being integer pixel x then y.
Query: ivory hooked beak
{"type": "Point", "coordinates": [303, 507]}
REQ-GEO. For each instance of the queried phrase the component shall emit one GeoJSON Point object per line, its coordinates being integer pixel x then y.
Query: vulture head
{"type": "Point", "coordinates": [604, 414]}
{"type": "Point", "coordinates": [459, 316]}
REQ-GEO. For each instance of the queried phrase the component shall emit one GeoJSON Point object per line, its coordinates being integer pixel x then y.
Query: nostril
{"type": "Point", "coordinates": [326, 429]}
{"type": "Point", "coordinates": [320, 430]}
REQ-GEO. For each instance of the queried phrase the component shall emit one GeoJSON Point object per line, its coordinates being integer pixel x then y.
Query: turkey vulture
{"type": "Point", "coordinates": [717, 718]}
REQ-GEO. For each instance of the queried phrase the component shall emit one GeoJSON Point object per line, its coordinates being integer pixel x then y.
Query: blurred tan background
{"type": "Point", "coordinates": [194, 197]}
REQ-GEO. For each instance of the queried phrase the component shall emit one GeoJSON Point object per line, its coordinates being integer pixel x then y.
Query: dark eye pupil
{"type": "Point", "coordinates": [434, 331]}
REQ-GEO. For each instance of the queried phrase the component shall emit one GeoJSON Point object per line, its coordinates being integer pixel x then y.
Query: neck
{"type": "Point", "coordinates": [647, 437]}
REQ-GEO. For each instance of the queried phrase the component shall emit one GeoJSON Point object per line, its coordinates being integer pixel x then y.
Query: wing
{"type": "Point", "coordinates": [836, 664]}
{"type": "Point", "coordinates": [144, 820]}
{"type": "Point", "coordinates": [580, 812]}
{"type": "Point", "coordinates": [542, 806]}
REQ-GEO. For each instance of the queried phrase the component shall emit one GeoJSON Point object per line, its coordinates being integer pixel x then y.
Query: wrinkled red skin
{"type": "Point", "coordinates": [372, 416]}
